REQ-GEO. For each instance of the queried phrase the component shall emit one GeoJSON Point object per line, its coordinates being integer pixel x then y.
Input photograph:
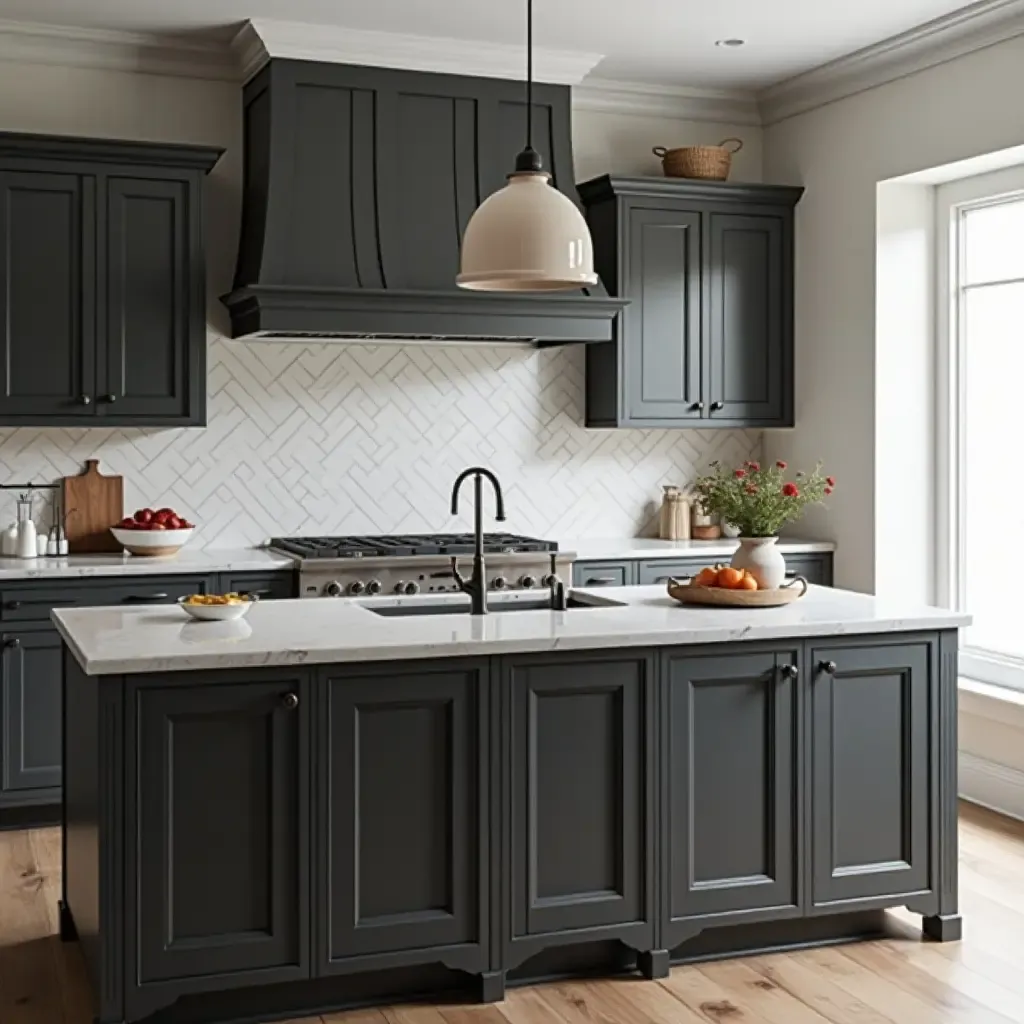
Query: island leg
{"type": "Point", "coordinates": [654, 964]}
{"type": "Point", "coordinates": [492, 986]}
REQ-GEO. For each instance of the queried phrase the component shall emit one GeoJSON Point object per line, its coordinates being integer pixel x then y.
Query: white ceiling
{"type": "Point", "coordinates": [669, 42]}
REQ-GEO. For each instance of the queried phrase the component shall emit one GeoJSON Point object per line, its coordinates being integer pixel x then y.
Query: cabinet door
{"type": "Point", "coordinates": [870, 768]}
{"type": "Point", "coordinates": [731, 794]}
{"type": "Point", "coordinates": [603, 574]}
{"type": "Point", "coordinates": [47, 296]}
{"type": "Point", "coordinates": [404, 781]}
{"type": "Point", "coordinates": [154, 323]}
{"type": "Point", "coordinates": [221, 837]}
{"type": "Point", "coordinates": [30, 713]}
{"type": "Point", "coordinates": [748, 318]}
{"type": "Point", "coordinates": [580, 789]}
{"type": "Point", "coordinates": [662, 323]}
{"type": "Point", "coordinates": [660, 570]}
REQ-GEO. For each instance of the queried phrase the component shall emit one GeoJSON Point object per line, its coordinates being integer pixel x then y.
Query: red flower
{"type": "Point", "coordinates": [751, 489]}
{"type": "Point", "coordinates": [781, 464]}
{"type": "Point", "coordinates": [790, 490]}
{"type": "Point", "coordinates": [830, 480]}
{"type": "Point", "coordinates": [828, 490]}
{"type": "Point", "coordinates": [755, 466]}
{"type": "Point", "coordinates": [739, 473]}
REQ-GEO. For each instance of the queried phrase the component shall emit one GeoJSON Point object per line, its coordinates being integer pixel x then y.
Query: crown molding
{"type": "Point", "coordinates": [732, 106]}
{"type": "Point", "coordinates": [190, 57]}
{"type": "Point", "coordinates": [262, 38]}
{"type": "Point", "coordinates": [944, 39]}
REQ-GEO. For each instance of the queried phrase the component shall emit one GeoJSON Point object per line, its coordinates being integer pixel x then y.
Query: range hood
{"type": "Point", "coordinates": [358, 184]}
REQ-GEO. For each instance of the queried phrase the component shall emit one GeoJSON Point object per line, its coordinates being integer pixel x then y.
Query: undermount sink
{"type": "Point", "coordinates": [538, 604]}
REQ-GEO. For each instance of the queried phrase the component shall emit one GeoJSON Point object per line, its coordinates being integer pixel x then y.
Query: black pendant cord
{"type": "Point", "coordinates": [529, 158]}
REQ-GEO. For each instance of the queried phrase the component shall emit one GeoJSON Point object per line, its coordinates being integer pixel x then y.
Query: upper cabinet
{"type": "Point", "coordinates": [102, 282]}
{"type": "Point", "coordinates": [707, 339]}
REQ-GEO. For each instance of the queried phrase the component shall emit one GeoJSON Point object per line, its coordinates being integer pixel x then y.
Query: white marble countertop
{"type": "Point", "coordinates": [199, 561]}
{"type": "Point", "coordinates": [615, 548]}
{"type": "Point", "coordinates": [114, 640]}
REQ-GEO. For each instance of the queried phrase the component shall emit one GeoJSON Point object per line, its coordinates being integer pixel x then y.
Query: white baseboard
{"type": "Point", "coordinates": [992, 785]}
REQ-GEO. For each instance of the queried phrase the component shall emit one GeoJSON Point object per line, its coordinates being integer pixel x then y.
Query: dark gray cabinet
{"type": "Point", "coordinates": [30, 710]}
{"type": "Point", "coordinates": [580, 786]}
{"type": "Point", "coordinates": [732, 789]}
{"type": "Point", "coordinates": [403, 790]}
{"type": "Point", "coordinates": [707, 339]}
{"type": "Point", "coordinates": [604, 574]}
{"type": "Point", "coordinates": [217, 808]}
{"type": "Point", "coordinates": [267, 586]}
{"type": "Point", "coordinates": [870, 764]}
{"type": "Point", "coordinates": [102, 282]}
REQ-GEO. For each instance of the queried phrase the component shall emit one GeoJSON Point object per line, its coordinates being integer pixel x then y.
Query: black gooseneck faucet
{"type": "Point", "coordinates": [476, 586]}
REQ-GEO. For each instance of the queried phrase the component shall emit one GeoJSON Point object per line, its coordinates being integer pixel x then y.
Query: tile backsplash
{"type": "Point", "coordinates": [353, 439]}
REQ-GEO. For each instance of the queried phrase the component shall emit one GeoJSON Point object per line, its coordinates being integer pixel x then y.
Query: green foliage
{"type": "Point", "coordinates": [760, 501]}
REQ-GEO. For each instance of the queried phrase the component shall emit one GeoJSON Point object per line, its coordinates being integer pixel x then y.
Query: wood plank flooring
{"type": "Point", "coordinates": [900, 980]}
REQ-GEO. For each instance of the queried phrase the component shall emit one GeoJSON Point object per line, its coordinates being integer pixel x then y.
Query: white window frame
{"type": "Point", "coordinates": [952, 201]}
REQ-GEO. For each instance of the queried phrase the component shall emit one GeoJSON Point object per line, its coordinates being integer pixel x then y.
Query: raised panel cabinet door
{"type": "Point", "coordinates": [870, 770]}
{"type": "Point", "coordinates": [154, 337]}
{"type": "Point", "coordinates": [221, 820]}
{"type": "Point", "coordinates": [748, 315]}
{"type": "Point", "coordinates": [731, 794]}
{"type": "Point", "coordinates": [403, 780]}
{"type": "Point", "coordinates": [580, 786]}
{"type": "Point", "coordinates": [662, 324]}
{"type": "Point", "coordinates": [30, 713]}
{"type": "Point", "coordinates": [47, 296]}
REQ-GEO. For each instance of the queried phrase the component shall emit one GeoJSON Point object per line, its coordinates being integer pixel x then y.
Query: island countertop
{"type": "Point", "coordinates": [114, 641]}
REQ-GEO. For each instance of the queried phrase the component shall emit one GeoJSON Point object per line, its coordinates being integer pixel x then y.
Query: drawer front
{"type": "Point", "coordinates": [659, 570]}
{"type": "Point", "coordinates": [603, 574]}
{"type": "Point", "coordinates": [28, 603]}
{"type": "Point", "coordinates": [267, 586]}
{"type": "Point", "coordinates": [814, 568]}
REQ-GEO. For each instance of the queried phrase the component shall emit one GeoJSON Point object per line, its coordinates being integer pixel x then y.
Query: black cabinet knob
{"type": "Point", "coordinates": [789, 671]}
{"type": "Point", "coordinates": [290, 701]}
{"type": "Point", "coordinates": [85, 400]}
{"type": "Point", "coordinates": [828, 666]}
{"type": "Point", "coordinates": [696, 407]}
{"type": "Point", "coordinates": [109, 399]}
{"type": "Point", "coordinates": [13, 642]}
{"type": "Point", "coordinates": [717, 406]}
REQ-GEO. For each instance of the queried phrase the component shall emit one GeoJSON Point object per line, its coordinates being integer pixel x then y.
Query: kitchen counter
{"type": "Point", "coordinates": [613, 548]}
{"type": "Point", "coordinates": [117, 641]}
{"type": "Point", "coordinates": [186, 561]}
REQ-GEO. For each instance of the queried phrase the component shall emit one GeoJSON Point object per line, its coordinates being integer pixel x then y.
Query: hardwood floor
{"type": "Point", "coordinates": [901, 980]}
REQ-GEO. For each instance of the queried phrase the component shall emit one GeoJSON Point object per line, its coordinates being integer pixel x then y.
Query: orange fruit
{"type": "Point", "coordinates": [747, 583]}
{"type": "Point", "coordinates": [730, 578]}
{"type": "Point", "coordinates": [706, 578]}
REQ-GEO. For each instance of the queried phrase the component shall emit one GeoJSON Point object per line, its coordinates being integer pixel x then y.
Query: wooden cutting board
{"type": "Point", "coordinates": [98, 504]}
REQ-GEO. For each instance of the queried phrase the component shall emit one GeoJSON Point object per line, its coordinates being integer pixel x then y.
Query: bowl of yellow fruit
{"type": "Point", "coordinates": [216, 607]}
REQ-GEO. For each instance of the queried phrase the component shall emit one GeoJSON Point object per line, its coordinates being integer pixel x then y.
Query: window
{"type": "Point", "coordinates": [981, 412]}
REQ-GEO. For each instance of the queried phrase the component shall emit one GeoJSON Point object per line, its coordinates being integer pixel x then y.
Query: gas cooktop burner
{"type": "Point", "coordinates": [404, 546]}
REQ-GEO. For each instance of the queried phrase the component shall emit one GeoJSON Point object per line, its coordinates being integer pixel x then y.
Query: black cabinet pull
{"type": "Point", "coordinates": [696, 407]}
{"type": "Point", "coordinates": [789, 671]}
{"type": "Point", "coordinates": [109, 399]}
{"type": "Point", "coordinates": [13, 642]}
{"type": "Point", "coordinates": [717, 406]}
{"type": "Point", "coordinates": [85, 400]}
{"type": "Point", "coordinates": [290, 701]}
{"type": "Point", "coordinates": [601, 581]}
{"type": "Point", "coordinates": [828, 666]}
{"type": "Point", "coordinates": [144, 598]}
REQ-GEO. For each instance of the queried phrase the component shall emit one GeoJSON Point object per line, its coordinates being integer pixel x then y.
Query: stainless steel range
{"type": "Point", "coordinates": [419, 563]}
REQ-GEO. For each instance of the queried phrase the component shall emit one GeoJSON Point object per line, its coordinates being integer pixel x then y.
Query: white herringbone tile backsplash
{"type": "Point", "coordinates": [353, 439]}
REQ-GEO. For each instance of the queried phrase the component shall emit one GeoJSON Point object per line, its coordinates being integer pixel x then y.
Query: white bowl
{"type": "Point", "coordinates": [216, 612]}
{"type": "Point", "coordinates": [151, 542]}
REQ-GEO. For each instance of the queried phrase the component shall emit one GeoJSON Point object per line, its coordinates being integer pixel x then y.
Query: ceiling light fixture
{"type": "Point", "coordinates": [527, 236]}
{"type": "Point", "coordinates": [731, 43]}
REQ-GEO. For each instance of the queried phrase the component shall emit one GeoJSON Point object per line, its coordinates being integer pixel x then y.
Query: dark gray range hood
{"type": "Point", "coordinates": [358, 185]}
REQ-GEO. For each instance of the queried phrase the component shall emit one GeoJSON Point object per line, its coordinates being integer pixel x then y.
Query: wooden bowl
{"type": "Point", "coordinates": [687, 593]}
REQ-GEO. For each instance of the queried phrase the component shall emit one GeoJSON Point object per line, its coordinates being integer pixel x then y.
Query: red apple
{"type": "Point", "coordinates": [156, 526]}
{"type": "Point", "coordinates": [172, 522]}
{"type": "Point", "coordinates": [165, 512]}
{"type": "Point", "coordinates": [144, 515]}
{"type": "Point", "coordinates": [126, 524]}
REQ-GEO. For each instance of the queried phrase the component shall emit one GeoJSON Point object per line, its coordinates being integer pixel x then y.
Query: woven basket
{"type": "Point", "coordinates": [710, 163]}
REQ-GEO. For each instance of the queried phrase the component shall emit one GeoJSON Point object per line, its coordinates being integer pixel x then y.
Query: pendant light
{"type": "Point", "coordinates": [527, 236]}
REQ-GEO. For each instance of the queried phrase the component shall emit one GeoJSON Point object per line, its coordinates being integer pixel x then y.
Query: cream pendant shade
{"type": "Point", "coordinates": [527, 237]}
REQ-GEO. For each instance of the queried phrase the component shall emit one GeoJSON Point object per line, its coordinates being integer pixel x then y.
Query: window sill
{"type": "Point", "coordinates": [998, 703]}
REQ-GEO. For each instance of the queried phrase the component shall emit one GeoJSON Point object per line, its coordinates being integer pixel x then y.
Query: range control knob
{"type": "Point", "coordinates": [373, 587]}
{"type": "Point", "coordinates": [333, 589]}
{"type": "Point", "coordinates": [356, 587]}
{"type": "Point", "coordinates": [499, 583]}
{"type": "Point", "coordinates": [527, 582]}
{"type": "Point", "coordinates": [550, 580]}
{"type": "Point", "coordinates": [411, 588]}
{"type": "Point", "coordinates": [400, 587]}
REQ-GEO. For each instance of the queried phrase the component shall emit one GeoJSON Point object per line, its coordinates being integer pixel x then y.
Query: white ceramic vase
{"type": "Point", "coordinates": [763, 560]}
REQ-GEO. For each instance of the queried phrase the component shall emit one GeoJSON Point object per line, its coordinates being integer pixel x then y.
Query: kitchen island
{"type": "Point", "coordinates": [339, 802]}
